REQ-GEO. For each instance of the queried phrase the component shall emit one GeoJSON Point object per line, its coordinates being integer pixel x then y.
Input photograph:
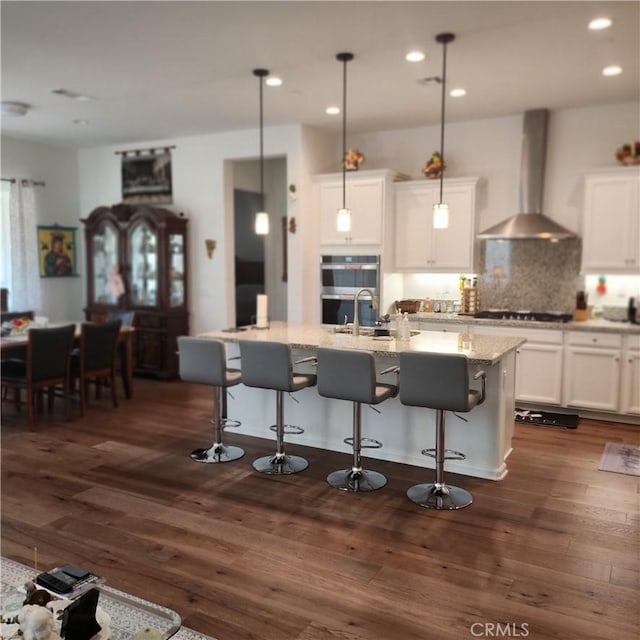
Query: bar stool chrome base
{"type": "Point", "coordinates": [217, 453]}
{"type": "Point", "coordinates": [280, 464]}
{"type": "Point", "coordinates": [356, 480]}
{"type": "Point", "coordinates": [439, 496]}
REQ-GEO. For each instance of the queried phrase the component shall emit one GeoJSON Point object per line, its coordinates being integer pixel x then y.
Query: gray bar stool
{"type": "Point", "coordinates": [204, 361]}
{"type": "Point", "coordinates": [441, 382]}
{"type": "Point", "coordinates": [346, 374]}
{"type": "Point", "coordinates": [267, 365]}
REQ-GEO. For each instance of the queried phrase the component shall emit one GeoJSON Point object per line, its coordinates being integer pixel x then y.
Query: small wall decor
{"type": "Point", "coordinates": [57, 251]}
{"type": "Point", "coordinates": [146, 176]}
{"type": "Point", "coordinates": [210, 245]}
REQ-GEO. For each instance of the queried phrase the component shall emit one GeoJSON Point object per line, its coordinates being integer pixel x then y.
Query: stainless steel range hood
{"type": "Point", "coordinates": [530, 223]}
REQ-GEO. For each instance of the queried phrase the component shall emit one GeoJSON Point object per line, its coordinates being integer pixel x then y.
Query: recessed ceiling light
{"type": "Point", "coordinates": [273, 81]}
{"type": "Point", "coordinates": [414, 56]}
{"type": "Point", "coordinates": [612, 70]}
{"type": "Point", "coordinates": [332, 111]}
{"type": "Point", "coordinates": [458, 93]}
{"type": "Point", "coordinates": [600, 23]}
{"type": "Point", "coordinates": [13, 109]}
{"type": "Point", "coordinates": [80, 97]}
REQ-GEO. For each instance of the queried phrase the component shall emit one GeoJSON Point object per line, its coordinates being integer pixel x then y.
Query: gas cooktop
{"type": "Point", "coordinates": [535, 316]}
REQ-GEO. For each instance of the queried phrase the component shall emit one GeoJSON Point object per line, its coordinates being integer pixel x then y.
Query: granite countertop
{"type": "Point", "coordinates": [599, 324]}
{"type": "Point", "coordinates": [479, 349]}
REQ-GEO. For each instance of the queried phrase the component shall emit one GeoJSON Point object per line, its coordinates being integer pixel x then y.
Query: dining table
{"type": "Point", "coordinates": [17, 342]}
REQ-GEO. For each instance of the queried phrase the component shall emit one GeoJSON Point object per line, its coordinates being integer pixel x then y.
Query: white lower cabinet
{"type": "Point", "coordinates": [592, 370]}
{"type": "Point", "coordinates": [538, 363]}
{"type": "Point", "coordinates": [630, 387]}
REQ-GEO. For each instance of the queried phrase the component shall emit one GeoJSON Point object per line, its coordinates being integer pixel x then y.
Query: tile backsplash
{"type": "Point", "coordinates": [536, 275]}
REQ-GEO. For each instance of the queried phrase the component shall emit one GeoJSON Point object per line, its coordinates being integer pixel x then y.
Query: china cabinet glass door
{"type": "Point", "coordinates": [107, 284]}
{"type": "Point", "coordinates": [176, 270]}
{"type": "Point", "coordinates": [143, 258]}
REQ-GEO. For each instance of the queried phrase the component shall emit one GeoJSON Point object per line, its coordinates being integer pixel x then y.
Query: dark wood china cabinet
{"type": "Point", "coordinates": [137, 261]}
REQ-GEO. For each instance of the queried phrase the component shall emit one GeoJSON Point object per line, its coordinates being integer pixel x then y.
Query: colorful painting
{"type": "Point", "coordinates": [57, 251]}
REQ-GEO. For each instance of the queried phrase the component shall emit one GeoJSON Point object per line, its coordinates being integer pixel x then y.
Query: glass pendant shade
{"type": "Point", "coordinates": [343, 221]}
{"type": "Point", "coordinates": [440, 216]}
{"type": "Point", "coordinates": [262, 223]}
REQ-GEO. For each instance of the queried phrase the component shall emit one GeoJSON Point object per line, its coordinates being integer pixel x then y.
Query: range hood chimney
{"type": "Point", "coordinates": [530, 223]}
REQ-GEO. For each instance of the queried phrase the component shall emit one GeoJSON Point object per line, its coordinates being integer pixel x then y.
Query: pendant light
{"type": "Point", "coordinates": [343, 220]}
{"type": "Point", "coordinates": [262, 217]}
{"type": "Point", "coordinates": [441, 209]}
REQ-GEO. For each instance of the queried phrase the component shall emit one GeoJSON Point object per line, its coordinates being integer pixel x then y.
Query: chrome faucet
{"type": "Point", "coordinates": [356, 314]}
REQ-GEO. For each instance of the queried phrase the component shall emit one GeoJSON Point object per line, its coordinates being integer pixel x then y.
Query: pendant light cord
{"type": "Point", "coordinates": [344, 58]}
{"type": "Point", "coordinates": [444, 93]}
{"type": "Point", "coordinates": [344, 133]}
{"type": "Point", "coordinates": [261, 148]}
{"type": "Point", "coordinates": [444, 39]}
{"type": "Point", "coordinates": [260, 74]}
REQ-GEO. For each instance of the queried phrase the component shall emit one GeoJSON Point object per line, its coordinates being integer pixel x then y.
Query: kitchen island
{"type": "Point", "coordinates": [405, 431]}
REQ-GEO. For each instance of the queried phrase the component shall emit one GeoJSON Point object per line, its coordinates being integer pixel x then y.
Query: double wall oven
{"type": "Point", "coordinates": [341, 277]}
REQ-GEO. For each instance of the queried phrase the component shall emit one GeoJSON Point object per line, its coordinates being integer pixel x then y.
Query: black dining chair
{"type": "Point", "coordinates": [95, 360]}
{"type": "Point", "coordinates": [47, 366]}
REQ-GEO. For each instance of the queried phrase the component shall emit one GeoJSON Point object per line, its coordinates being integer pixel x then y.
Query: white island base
{"type": "Point", "coordinates": [404, 431]}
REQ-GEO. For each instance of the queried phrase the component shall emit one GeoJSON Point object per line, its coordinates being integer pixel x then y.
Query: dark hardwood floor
{"type": "Point", "coordinates": [551, 552]}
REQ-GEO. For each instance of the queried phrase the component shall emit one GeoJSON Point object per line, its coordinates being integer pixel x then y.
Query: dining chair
{"type": "Point", "coordinates": [47, 366]}
{"type": "Point", "coordinates": [95, 361]}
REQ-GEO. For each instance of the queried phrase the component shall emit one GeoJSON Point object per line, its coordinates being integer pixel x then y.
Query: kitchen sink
{"type": "Point", "coordinates": [369, 331]}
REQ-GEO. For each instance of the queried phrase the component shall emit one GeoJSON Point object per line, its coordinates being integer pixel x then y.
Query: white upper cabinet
{"type": "Point", "coordinates": [368, 195]}
{"type": "Point", "coordinates": [610, 230]}
{"type": "Point", "coordinates": [420, 247]}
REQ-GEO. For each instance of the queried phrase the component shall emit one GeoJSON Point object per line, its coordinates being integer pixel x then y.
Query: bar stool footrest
{"type": "Point", "coordinates": [288, 429]}
{"type": "Point", "coordinates": [453, 455]}
{"type": "Point", "coordinates": [365, 443]}
{"type": "Point", "coordinates": [227, 422]}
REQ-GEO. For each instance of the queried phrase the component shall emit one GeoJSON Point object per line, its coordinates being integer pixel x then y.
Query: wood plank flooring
{"type": "Point", "coordinates": [551, 552]}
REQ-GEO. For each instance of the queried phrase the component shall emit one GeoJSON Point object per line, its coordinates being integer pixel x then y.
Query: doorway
{"type": "Point", "coordinates": [260, 261]}
{"type": "Point", "coordinates": [249, 256]}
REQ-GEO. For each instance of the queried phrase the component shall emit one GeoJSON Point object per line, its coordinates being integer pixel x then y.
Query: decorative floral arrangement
{"type": "Point", "coordinates": [434, 166]}
{"type": "Point", "coordinates": [352, 160]}
{"type": "Point", "coordinates": [15, 326]}
{"type": "Point", "coordinates": [629, 153]}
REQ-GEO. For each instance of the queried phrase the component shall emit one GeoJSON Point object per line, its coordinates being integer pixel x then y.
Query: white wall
{"type": "Point", "coordinates": [56, 203]}
{"type": "Point", "coordinates": [203, 179]}
{"type": "Point", "coordinates": [578, 140]}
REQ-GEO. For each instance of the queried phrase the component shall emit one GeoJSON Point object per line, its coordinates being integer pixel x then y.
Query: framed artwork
{"type": "Point", "coordinates": [57, 251]}
{"type": "Point", "coordinates": [146, 177]}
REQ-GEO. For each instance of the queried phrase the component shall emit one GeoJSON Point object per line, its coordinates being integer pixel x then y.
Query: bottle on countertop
{"type": "Point", "coordinates": [405, 328]}
{"type": "Point", "coordinates": [632, 311]}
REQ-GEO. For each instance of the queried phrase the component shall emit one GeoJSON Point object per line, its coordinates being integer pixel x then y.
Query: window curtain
{"type": "Point", "coordinates": [24, 292]}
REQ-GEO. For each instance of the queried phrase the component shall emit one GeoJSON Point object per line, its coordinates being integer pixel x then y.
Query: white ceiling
{"type": "Point", "coordinates": [160, 70]}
